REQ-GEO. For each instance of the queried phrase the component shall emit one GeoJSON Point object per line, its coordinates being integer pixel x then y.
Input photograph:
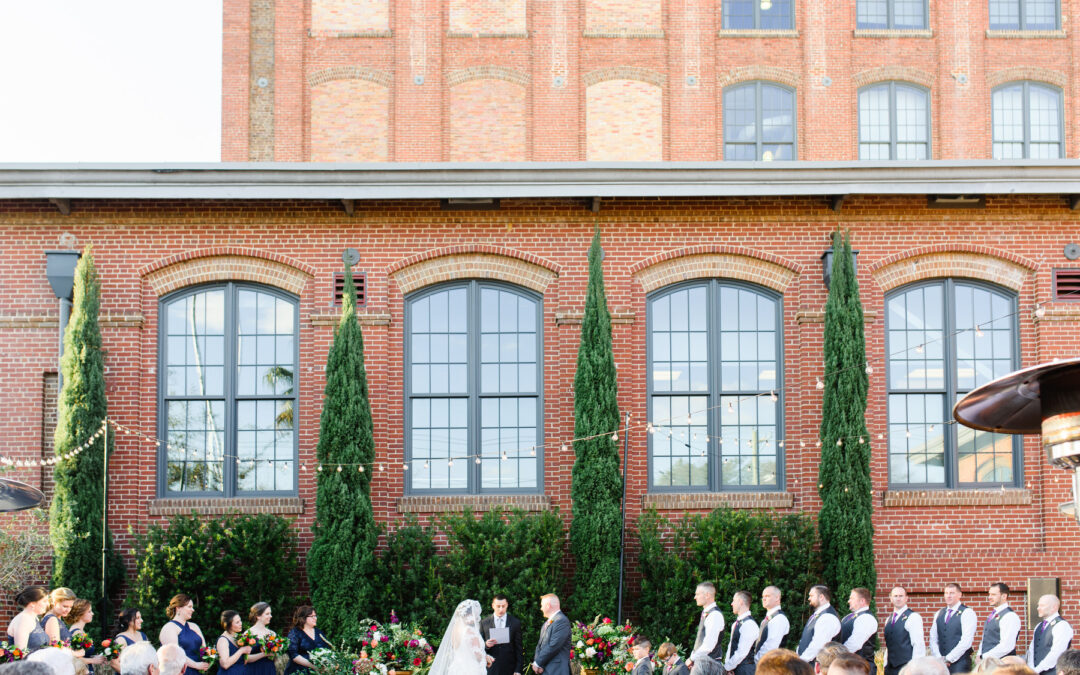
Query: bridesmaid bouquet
{"type": "Point", "coordinates": [10, 653]}
{"type": "Point", "coordinates": [111, 649]}
{"type": "Point", "coordinates": [247, 639]}
{"type": "Point", "coordinates": [80, 640]}
{"type": "Point", "coordinates": [274, 644]}
{"type": "Point", "coordinates": [208, 655]}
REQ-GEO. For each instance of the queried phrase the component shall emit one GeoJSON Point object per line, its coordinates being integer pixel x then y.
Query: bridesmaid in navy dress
{"type": "Point", "coordinates": [230, 655]}
{"type": "Point", "coordinates": [303, 639]}
{"type": "Point", "coordinates": [128, 630]}
{"type": "Point", "coordinates": [260, 662]}
{"type": "Point", "coordinates": [24, 631]}
{"type": "Point", "coordinates": [60, 602]}
{"type": "Point", "coordinates": [81, 614]}
{"type": "Point", "coordinates": [181, 630]}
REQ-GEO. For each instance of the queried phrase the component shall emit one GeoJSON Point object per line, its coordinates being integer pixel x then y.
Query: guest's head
{"type": "Point", "coordinates": [1069, 662]}
{"type": "Point", "coordinates": [987, 665]}
{"type": "Point", "coordinates": [60, 601]}
{"type": "Point", "coordinates": [642, 647]}
{"type": "Point", "coordinates": [25, 667]}
{"type": "Point", "coordinates": [770, 597]}
{"type": "Point", "coordinates": [128, 619]}
{"type": "Point", "coordinates": [705, 594]}
{"type": "Point", "coordinates": [34, 599]}
{"type": "Point", "coordinates": [819, 596]}
{"type": "Point", "coordinates": [829, 653]}
{"type": "Point", "coordinates": [1013, 660]}
{"type": "Point", "coordinates": [81, 612]}
{"type": "Point", "coordinates": [304, 617]}
{"type": "Point", "coordinates": [740, 602]}
{"type": "Point", "coordinates": [231, 622]}
{"type": "Point", "coordinates": [181, 607]}
{"type": "Point", "coordinates": [500, 604]}
{"type": "Point", "coordinates": [925, 665]}
{"type": "Point", "coordinates": [666, 652]}
{"type": "Point", "coordinates": [62, 661]}
{"type": "Point", "coordinates": [549, 605]}
{"type": "Point", "coordinates": [849, 664]}
{"type": "Point", "coordinates": [859, 599]}
{"type": "Point", "coordinates": [1014, 669]}
{"type": "Point", "coordinates": [171, 659]}
{"type": "Point", "coordinates": [952, 594]}
{"type": "Point", "coordinates": [139, 659]}
{"type": "Point", "coordinates": [1048, 606]}
{"type": "Point", "coordinates": [997, 594]}
{"type": "Point", "coordinates": [782, 662]}
{"type": "Point", "coordinates": [260, 613]}
{"type": "Point", "coordinates": [898, 597]}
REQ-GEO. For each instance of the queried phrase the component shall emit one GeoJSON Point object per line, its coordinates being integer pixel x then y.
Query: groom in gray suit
{"type": "Point", "coordinates": [553, 650]}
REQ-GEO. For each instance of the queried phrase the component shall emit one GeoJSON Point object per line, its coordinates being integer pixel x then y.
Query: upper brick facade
{"type": "Point", "coordinates": [563, 80]}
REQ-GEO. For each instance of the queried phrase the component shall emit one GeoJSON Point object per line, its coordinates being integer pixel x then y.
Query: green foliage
{"type": "Point", "coordinates": [411, 575]}
{"type": "Point", "coordinates": [23, 550]}
{"type": "Point", "coordinates": [596, 487]}
{"type": "Point", "coordinates": [75, 516]}
{"type": "Point", "coordinates": [342, 555]}
{"type": "Point", "coordinates": [222, 563]}
{"type": "Point", "coordinates": [847, 533]}
{"type": "Point", "coordinates": [735, 550]}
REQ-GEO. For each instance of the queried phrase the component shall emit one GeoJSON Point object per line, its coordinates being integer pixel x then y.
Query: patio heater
{"type": "Point", "coordinates": [1043, 399]}
{"type": "Point", "coordinates": [17, 496]}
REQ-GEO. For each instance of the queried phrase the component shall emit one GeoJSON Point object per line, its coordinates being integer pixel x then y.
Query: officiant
{"type": "Point", "coordinates": [502, 639]}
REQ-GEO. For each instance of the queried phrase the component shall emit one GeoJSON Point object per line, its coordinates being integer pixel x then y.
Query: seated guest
{"type": "Point", "coordinates": [987, 666]}
{"type": "Point", "coordinates": [782, 662]}
{"type": "Point", "coordinates": [1014, 669]}
{"type": "Point", "coordinates": [62, 661]}
{"type": "Point", "coordinates": [829, 653]}
{"type": "Point", "coordinates": [849, 664]}
{"type": "Point", "coordinates": [25, 667]}
{"type": "Point", "coordinates": [1069, 663]}
{"type": "Point", "coordinates": [673, 664]}
{"type": "Point", "coordinates": [925, 665]}
{"type": "Point", "coordinates": [171, 659]}
{"type": "Point", "coordinates": [139, 659]}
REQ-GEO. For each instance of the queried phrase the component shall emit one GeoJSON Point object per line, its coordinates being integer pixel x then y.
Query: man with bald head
{"type": "Point", "coordinates": [775, 625]}
{"type": "Point", "coordinates": [1051, 637]}
{"type": "Point", "coordinates": [903, 634]}
{"type": "Point", "coordinates": [552, 654]}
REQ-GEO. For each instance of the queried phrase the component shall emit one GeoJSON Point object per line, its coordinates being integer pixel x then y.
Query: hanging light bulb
{"type": "Point", "coordinates": [615, 436]}
{"type": "Point", "coordinates": [1040, 311]}
{"type": "Point", "coordinates": [404, 467]}
{"type": "Point", "coordinates": [426, 464]}
{"type": "Point", "coordinates": [477, 459]}
{"type": "Point", "coordinates": [780, 444]}
{"type": "Point", "coordinates": [839, 442]}
{"type": "Point", "coordinates": [819, 384]}
{"type": "Point", "coordinates": [766, 5]}
{"type": "Point", "coordinates": [689, 420]}
{"type": "Point", "coordinates": [907, 433]}
{"type": "Point", "coordinates": [772, 396]}
{"type": "Point", "coordinates": [650, 428]}
{"type": "Point", "coordinates": [869, 369]}
{"type": "Point", "coordinates": [919, 349]}
{"type": "Point", "coordinates": [861, 441]}
{"type": "Point", "coordinates": [730, 408]}
{"type": "Point", "coordinates": [339, 468]}
{"type": "Point", "coordinates": [532, 451]}
{"type": "Point", "coordinates": [978, 331]}
{"type": "Point", "coordinates": [504, 456]}
{"type": "Point", "coordinates": [564, 447]}
{"type": "Point", "coordinates": [881, 437]}
{"type": "Point", "coordinates": [450, 463]}
{"type": "Point", "coordinates": [766, 156]}
{"type": "Point", "coordinates": [802, 444]}
{"type": "Point", "coordinates": [360, 469]}
{"type": "Point", "coordinates": [319, 469]}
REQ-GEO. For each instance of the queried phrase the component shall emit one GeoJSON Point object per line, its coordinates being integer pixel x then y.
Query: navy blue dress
{"type": "Point", "coordinates": [238, 668]}
{"type": "Point", "coordinates": [38, 638]}
{"type": "Point", "coordinates": [263, 666]}
{"type": "Point", "coordinates": [128, 641]}
{"type": "Point", "coordinates": [65, 632]}
{"type": "Point", "coordinates": [189, 641]}
{"type": "Point", "coordinates": [301, 645]}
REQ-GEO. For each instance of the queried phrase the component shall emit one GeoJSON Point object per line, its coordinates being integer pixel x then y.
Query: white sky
{"type": "Point", "coordinates": [110, 81]}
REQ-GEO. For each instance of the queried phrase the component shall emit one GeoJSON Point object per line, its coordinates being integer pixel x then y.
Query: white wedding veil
{"type": "Point", "coordinates": [455, 644]}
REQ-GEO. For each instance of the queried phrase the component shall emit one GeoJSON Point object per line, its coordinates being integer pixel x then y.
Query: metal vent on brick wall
{"type": "Point", "coordinates": [1067, 284]}
{"type": "Point", "coordinates": [360, 279]}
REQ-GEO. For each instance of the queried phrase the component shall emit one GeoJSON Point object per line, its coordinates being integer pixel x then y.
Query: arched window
{"type": "Point", "coordinates": [1027, 121]}
{"type": "Point", "coordinates": [894, 121]}
{"type": "Point", "coordinates": [473, 389]}
{"type": "Point", "coordinates": [759, 122]}
{"type": "Point", "coordinates": [714, 360]}
{"type": "Point", "coordinates": [228, 391]}
{"type": "Point", "coordinates": [945, 338]}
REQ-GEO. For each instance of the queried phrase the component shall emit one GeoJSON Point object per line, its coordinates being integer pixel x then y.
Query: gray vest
{"type": "Point", "coordinates": [733, 644]}
{"type": "Point", "coordinates": [763, 634]}
{"type": "Point", "coordinates": [898, 640]}
{"type": "Point", "coordinates": [949, 632]}
{"type": "Point", "coordinates": [992, 632]}
{"type": "Point", "coordinates": [1043, 640]}
{"type": "Point", "coordinates": [717, 652]}
{"type": "Point", "coordinates": [808, 632]}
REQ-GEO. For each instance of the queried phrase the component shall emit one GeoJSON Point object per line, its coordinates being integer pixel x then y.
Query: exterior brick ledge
{"type": "Point", "coordinates": [1025, 34]}
{"type": "Point", "coordinates": [696, 501]}
{"type": "Point", "coordinates": [989, 497]}
{"type": "Point", "coordinates": [892, 33]}
{"type": "Point", "coordinates": [622, 33]}
{"type": "Point", "coordinates": [468, 34]}
{"type": "Point", "coordinates": [574, 317]}
{"type": "Point", "coordinates": [51, 321]}
{"type": "Point", "coordinates": [350, 34]}
{"type": "Point", "coordinates": [210, 506]}
{"type": "Point", "coordinates": [1067, 313]}
{"type": "Point", "coordinates": [750, 33]}
{"type": "Point", "coordinates": [804, 316]}
{"type": "Point", "coordinates": [382, 318]}
{"type": "Point", "coordinates": [458, 503]}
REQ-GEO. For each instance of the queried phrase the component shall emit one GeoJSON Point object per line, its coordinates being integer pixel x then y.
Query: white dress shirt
{"type": "Point", "coordinates": [968, 622]}
{"type": "Point", "coordinates": [714, 626]}
{"type": "Point", "coordinates": [826, 628]}
{"type": "Point", "coordinates": [914, 628]}
{"type": "Point", "coordinates": [1062, 633]}
{"type": "Point", "coordinates": [748, 632]}
{"type": "Point", "coordinates": [1008, 628]}
{"type": "Point", "coordinates": [779, 626]}
{"type": "Point", "coordinates": [864, 629]}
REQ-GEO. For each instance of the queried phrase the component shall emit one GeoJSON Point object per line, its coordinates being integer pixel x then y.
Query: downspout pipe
{"type": "Point", "coordinates": [60, 271]}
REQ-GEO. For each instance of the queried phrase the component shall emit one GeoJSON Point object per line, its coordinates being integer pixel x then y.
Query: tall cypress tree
{"type": "Point", "coordinates": [75, 515]}
{"type": "Point", "coordinates": [847, 533]}
{"type": "Point", "coordinates": [596, 487]}
{"type": "Point", "coordinates": [341, 562]}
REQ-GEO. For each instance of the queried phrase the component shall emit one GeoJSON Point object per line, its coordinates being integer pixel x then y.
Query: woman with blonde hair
{"type": "Point", "coordinates": [182, 631]}
{"type": "Point", "coordinates": [24, 631]}
{"type": "Point", "coordinates": [60, 602]}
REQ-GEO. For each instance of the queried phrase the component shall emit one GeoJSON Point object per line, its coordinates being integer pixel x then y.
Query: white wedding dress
{"type": "Point", "coordinates": [461, 651]}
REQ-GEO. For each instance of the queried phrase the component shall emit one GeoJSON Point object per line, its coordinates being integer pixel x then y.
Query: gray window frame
{"type": "Point", "coordinates": [714, 392]}
{"type": "Point", "coordinates": [890, 8]}
{"type": "Point", "coordinates": [948, 285]}
{"type": "Point", "coordinates": [892, 84]}
{"type": "Point", "coordinates": [1027, 84]}
{"type": "Point", "coordinates": [1022, 14]}
{"type": "Point", "coordinates": [758, 121]}
{"type": "Point", "coordinates": [229, 474]}
{"type": "Point", "coordinates": [473, 288]}
{"type": "Point", "coordinates": [756, 4]}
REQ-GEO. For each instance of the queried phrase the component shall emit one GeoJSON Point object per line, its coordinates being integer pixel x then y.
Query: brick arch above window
{"type": "Point", "coordinates": [349, 73]}
{"type": "Point", "coordinates": [976, 262]}
{"type": "Point", "coordinates": [623, 73]}
{"type": "Point", "coordinates": [473, 262]}
{"type": "Point", "coordinates": [999, 77]}
{"type": "Point", "coordinates": [893, 73]}
{"type": "Point", "coordinates": [707, 262]}
{"type": "Point", "coordinates": [226, 264]}
{"type": "Point", "coordinates": [488, 72]}
{"type": "Point", "coordinates": [765, 73]}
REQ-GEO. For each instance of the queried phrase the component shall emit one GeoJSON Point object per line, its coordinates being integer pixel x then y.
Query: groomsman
{"type": "Point", "coordinates": [509, 656]}
{"type": "Point", "coordinates": [641, 650]}
{"type": "Point", "coordinates": [775, 625]}
{"type": "Point", "coordinates": [822, 627]}
{"type": "Point", "coordinates": [857, 629]}
{"type": "Point", "coordinates": [705, 658]}
{"type": "Point", "coordinates": [903, 634]}
{"type": "Point", "coordinates": [1052, 637]}
{"type": "Point", "coordinates": [739, 658]}
{"type": "Point", "coordinates": [552, 655]}
{"type": "Point", "coordinates": [953, 631]}
{"type": "Point", "coordinates": [1002, 626]}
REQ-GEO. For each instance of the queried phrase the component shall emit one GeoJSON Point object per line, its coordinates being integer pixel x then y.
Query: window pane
{"type": "Point", "coordinates": [747, 443]}
{"type": "Point", "coordinates": [740, 114]}
{"type": "Point", "coordinates": [911, 115]}
{"type": "Point", "coordinates": [194, 351]}
{"type": "Point", "coordinates": [776, 15]}
{"type": "Point", "coordinates": [983, 457]}
{"type": "Point", "coordinates": [265, 345]}
{"type": "Point", "coordinates": [916, 439]}
{"type": "Point", "coordinates": [1008, 114]}
{"type": "Point", "coordinates": [508, 438]}
{"type": "Point", "coordinates": [872, 14]}
{"type": "Point", "coordinates": [1045, 121]}
{"type": "Point", "coordinates": [909, 14]}
{"type": "Point", "coordinates": [738, 14]}
{"type": "Point", "coordinates": [1005, 14]}
{"type": "Point", "coordinates": [195, 435]}
{"type": "Point", "coordinates": [680, 356]}
{"type": "Point", "coordinates": [265, 442]}
{"type": "Point", "coordinates": [679, 441]}
{"type": "Point", "coordinates": [1040, 14]}
{"type": "Point", "coordinates": [874, 122]}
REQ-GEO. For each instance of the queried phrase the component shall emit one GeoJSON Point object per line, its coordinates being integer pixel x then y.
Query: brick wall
{"type": "Point", "coordinates": [147, 248]}
{"type": "Point", "coordinates": [555, 44]}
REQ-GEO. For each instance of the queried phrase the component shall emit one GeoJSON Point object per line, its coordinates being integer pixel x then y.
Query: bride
{"type": "Point", "coordinates": [461, 651]}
